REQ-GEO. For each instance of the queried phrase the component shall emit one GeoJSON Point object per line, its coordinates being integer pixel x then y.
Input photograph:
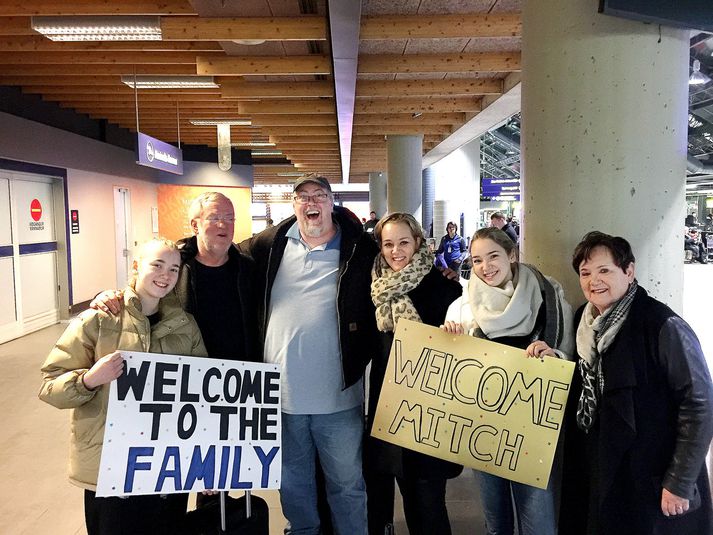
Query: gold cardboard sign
{"type": "Point", "coordinates": [473, 402]}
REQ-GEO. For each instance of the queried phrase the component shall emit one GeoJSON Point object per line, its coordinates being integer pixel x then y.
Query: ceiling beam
{"type": "Point", "coordinates": [398, 129]}
{"type": "Point", "coordinates": [448, 87]}
{"type": "Point", "coordinates": [417, 105]}
{"type": "Point", "coordinates": [303, 28]}
{"type": "Point", "coordinates": [95, 7]}
{"type": "Point", "coordinates": [38, 43]}
{"type": "Point", "coordinates": [409, 63]}
{"type": "Point", "coordinates": [94, 57]}
{"type": "Point", "coordinates": [124, 96]}
{"type": "Point", "coordinates": [245, 65]}
{"type": "Point", "coordinates": [451, 26]}
{"type": "Point", "coordinates": [286, 106]}
{"type": "Point", "coordinates": [316, 132]}
{"type": "Point", "coordinates": [81, 70]}
{"type": "Point", "coordinates": [296, 119]}
{"type": "Point", "coordinates": [117, 88]}
{"type": "Point", "coordinates": [236, 88]}
{"type": "Point", "coordinates": [409, 119]}
{"type": "Point", "coordinates": [86, 80]}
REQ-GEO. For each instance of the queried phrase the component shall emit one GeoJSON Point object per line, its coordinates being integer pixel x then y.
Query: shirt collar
{"type": "Point", "coordinates": [294, 234]}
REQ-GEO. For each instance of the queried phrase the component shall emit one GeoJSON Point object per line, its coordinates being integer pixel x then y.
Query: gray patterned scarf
{"type": "Point", "coordinates": [389, 288]}
{"type": "Point", "coordinates": [594, 336]}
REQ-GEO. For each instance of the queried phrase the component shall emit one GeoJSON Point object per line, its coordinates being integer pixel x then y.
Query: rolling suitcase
{"type": "Point", "coordinates": [247, 515]}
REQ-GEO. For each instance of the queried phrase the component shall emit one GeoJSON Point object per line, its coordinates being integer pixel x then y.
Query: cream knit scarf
{"type": "Point", "coordinates": [389, 288]}
{"type": "Point", "coordinates": [508, 311]}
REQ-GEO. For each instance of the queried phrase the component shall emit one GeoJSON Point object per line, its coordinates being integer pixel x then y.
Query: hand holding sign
{"type": "Point", "coordinates": [104, 371]}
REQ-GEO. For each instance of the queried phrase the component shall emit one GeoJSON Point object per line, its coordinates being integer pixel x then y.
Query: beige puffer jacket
{"type": "Point", "coordinates": [89, 337]}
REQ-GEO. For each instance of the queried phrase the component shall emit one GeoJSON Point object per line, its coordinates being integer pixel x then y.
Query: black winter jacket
{"type": "Point", "coordinates": [357, 319]}
{"type": "Point", "coordinates": [431, 299]}
{"type": "Point", "coordinates": [185, 289]}
{"type": "Point", "coordinates": [653, 428]}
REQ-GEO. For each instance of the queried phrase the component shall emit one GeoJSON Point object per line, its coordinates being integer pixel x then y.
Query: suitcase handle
{"type": "Point", "coordinates": [248, 508]}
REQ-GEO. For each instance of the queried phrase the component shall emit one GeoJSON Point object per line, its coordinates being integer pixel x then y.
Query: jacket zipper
{"type": "Point", "coordinates": [339, 319]}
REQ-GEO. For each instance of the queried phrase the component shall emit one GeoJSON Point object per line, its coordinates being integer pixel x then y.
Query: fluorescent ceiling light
{"type": "Point", "coordinates": [254, 144]}
{"type": "Point", "coordinates": [214, 122]}
{"type": "Point", "coordinates": [297, 173]}
{"type": "Point", "coordinates": [109, 28]}
{"type": "Point", "coordinates": [266, 153]}
{"type": "Point", "coordinates": [248, 42]}
{"type": "Point", "coordinates": [170, 82]}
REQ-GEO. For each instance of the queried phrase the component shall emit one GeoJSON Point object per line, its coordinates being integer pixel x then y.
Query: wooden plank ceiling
{"type": "Point", "coordinates": [424, 68]}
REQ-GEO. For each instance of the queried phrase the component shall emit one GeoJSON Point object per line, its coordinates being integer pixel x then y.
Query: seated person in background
{"type": "Point", "coordinates": [498, 220]}
{"type": "Point", "coordinates": [452, 248]}
{"type": "Point", "coordinates": [692, 242]}
{"type": "Point", "coordinates": [87, 357]}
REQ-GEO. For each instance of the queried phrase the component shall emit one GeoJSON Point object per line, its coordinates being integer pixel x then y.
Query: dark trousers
{"type": "Point", "coordinates": [135, 515]}
{"type": "Point", "coordinates": [424, 504]}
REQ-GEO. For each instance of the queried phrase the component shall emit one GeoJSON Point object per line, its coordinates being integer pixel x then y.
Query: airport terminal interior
{"type": "Point", "coordinates": [115, 115]}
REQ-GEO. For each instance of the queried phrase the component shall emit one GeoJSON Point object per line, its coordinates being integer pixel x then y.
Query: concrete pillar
{"type": "Point", "coordinates": [604, 115]}
{"type": "Point", "coordinates": [377, 193]}
{"type": "Point", "coordinates": [428, 192]}
{"type": "Point", "coordinates": [403, 191]}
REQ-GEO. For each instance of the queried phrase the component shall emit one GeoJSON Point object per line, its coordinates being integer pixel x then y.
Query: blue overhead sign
{"type": "Point", "coordinates": [500, 189]}
{"type": "Point", "coordinates": [153, 152]}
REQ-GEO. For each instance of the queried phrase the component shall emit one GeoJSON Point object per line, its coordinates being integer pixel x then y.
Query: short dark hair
{"type": "Point", "coordinates": [400, 217]}
{"type": "Point", "coordinates": [619, 248]}
{"type": "Point", "coordinates": [451, 223]}
{"type": "Point", "coordinates": [498, 236]}
{"type": "Point", "coordinates": [498, 215]}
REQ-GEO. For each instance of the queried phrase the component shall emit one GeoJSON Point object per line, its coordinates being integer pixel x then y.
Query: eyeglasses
{"type": "Point", "coordinates": [303, 198]}
{"type": "Point", "coordinates": [215, 218]}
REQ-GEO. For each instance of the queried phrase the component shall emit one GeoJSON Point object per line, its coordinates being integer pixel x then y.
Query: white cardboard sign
{"type": "Point", "coordinates": [182, 424]}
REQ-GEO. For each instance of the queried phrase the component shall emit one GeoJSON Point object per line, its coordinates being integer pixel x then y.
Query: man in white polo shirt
{"type": "Point", "coordinates": [319, 325]}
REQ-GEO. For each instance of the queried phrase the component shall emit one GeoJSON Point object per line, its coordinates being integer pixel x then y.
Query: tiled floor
{"type": "Point", "coordinates": [36, 499]}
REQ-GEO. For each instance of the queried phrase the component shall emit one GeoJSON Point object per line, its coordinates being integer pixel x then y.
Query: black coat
{"type": "Point", "coordinates": [653, 428]}
{"type": "Point", "coordinates": [431, 299]}
{"type": "Point", "coordinates": [357, 319]}
{"type": "Point", "coordinates": [185, 289]}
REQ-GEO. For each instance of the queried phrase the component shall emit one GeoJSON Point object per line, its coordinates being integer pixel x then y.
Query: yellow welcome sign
{"type": "Point", "coordinates": [473, 402]}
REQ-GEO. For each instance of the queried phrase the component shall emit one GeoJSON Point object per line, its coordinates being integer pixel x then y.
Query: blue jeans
{"type": "Point", "coordinates": [337, 439]}
{"type": "Point", "coordinates": [534, 508]}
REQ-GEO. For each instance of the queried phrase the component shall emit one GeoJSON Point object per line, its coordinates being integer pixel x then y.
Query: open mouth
{"type": "Point", "coordinates": [312, 215]}
{"type": "Point", "coordinates": [162, 285]}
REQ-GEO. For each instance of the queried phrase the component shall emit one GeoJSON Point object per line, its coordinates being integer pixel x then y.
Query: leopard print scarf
{"type": "Point", "coordinates": [389, 288]}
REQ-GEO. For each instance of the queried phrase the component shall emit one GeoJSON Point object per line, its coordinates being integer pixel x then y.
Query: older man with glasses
{"type": "Point", "coordinates": [215, 283]}
{"type": "Point", "coordinates": [319, 326]}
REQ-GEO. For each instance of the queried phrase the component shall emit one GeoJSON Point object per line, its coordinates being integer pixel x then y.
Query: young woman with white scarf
{"type": "Point", "coordinates": [405, 284]}
{"type": "Point", "coordinates": [513, 304]}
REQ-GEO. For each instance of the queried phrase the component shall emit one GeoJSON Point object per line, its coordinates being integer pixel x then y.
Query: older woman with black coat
{"type": "Point", "coordinates": [641, 408]}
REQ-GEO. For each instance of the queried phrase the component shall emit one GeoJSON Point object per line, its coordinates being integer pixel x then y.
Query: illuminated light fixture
{"type": "Point", "coordinates": [290, 174]}
{"type": "Point", "coordinates": [214, 122]}
{"type": "Point", "coordinates": [90, 28]}
{"type": "Point", "coordinates": [170, 82]}
{"type": "Point", "coordinates": [254, 144]}
{"type": "Point", "coordinates": [697, 77]}
{"type": "Point", "coordinates": [248, 42]}
{"type": "Point", "coordinates": [266, 153]}
{"type": "Point", "coordinates": [225, 160]}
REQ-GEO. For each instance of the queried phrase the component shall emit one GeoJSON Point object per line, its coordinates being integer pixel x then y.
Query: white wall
{"type": "Point", "coordinates": [93, 249]}
{"type": "Point", "coordinates": [93, 169]}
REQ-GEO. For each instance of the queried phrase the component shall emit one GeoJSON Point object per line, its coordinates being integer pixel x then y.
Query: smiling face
{"type": "Point", "coordinates": [214, 227]}
{"type": "Point", "coordinates": [602, 281]}
{"type": "Point", "coordinates": [156, 271]}
{"type": "Point", "coordinates": [398, 244]}
{"type": "Point", "coordinates": [491, 262]}
{"type": "Point", "coordinates": [314, 218]}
